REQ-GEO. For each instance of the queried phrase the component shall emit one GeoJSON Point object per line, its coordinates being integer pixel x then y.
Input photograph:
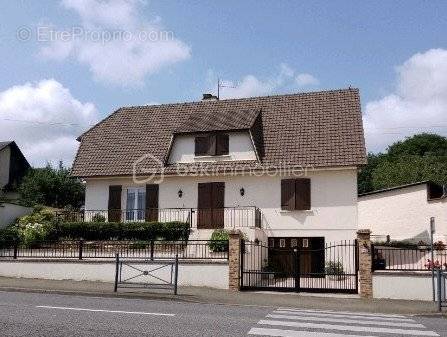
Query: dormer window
{"type": "Point", "coordinates": [215, 144]}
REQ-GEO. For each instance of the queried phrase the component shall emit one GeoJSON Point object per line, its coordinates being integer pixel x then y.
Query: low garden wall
{"type": "Point", "coordinates": [213, 274]}
{"type": "Point", "coordinates": [404, 285]}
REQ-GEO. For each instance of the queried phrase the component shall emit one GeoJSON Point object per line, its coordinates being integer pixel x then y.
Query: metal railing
{"type": "Point", "coordinates": [227, 217]}
{"type": "Point", "coordinates": [147, 274]}
{"type": "Point", "coordinates": [153, 249]}
{"type": "Point", "coordinates": [408, 259]}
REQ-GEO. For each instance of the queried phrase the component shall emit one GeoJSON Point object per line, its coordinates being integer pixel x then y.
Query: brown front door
{"type": "Point", "coordinates": [211, 201]}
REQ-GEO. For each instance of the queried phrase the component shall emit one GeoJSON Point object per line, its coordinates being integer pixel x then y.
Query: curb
{"type": "Point", "coordinates": [148, 296]}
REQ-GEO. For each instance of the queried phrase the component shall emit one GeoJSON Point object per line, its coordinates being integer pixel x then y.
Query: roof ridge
{"type": "Point", "coordinates": [241, 98]}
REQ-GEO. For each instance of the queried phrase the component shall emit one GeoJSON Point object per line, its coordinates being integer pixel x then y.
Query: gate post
{"type": "Point", "coordinates": [234, 260]}
{"type": "Point", "coordinates": [365, 263]}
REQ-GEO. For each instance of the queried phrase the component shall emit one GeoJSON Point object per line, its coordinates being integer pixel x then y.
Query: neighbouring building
{"type": "Point", "coordinates": [404, 212]}
{"type": "Point", "coordinates": [283, 169]}
{"type": "Point", "coordinates": [13, 167]}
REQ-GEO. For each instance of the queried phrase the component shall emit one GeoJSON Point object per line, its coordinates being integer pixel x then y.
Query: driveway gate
{"type": "Point", "coordinates": [331, 267]}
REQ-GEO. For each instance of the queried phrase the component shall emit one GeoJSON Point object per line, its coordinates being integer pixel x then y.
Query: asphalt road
{"type": "Point", "coordinates": [32, 314]}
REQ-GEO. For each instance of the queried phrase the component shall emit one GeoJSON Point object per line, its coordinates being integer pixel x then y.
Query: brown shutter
{"type": "Point", "coordinates": [204, 216]}
{"type": "Point", "coordinates": [288, 194]}
{"type": "Point", "coordinates": [211, 145]}
{"type": "Point", "coordinates": [222, 141]}
{"type": "Point", "coordinates": [151, 202]}
{"type": "Point", "coordinates": [218, 203]}
{"type": "Point", "coordinates": [302, 194]}
{"type": "Point", "coordinates": [201, 145]}
{"type": "Point", "coordinates": [114, 205]}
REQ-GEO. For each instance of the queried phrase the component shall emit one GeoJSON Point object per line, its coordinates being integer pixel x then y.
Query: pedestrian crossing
{"type": "Point", "coordinates": [293, 322]}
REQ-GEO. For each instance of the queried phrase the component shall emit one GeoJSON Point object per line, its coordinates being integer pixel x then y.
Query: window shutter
{"type": "Point", "coordinates": [204, 216]}
{"type": "Point", "coordinates": [201, 145]}
{"type": "Point", "coordinates": [151, 202]}
{"type": "Point", "coordinates": [211, 145]}
{"type": "Point", "coordinates": [288, 194]}
{"type": "Point", "coordinates": [302, 194]}
{"type": "Point", "coordinates": [114, 204]}
{"type": "Point", "coordinates": [222, 141]}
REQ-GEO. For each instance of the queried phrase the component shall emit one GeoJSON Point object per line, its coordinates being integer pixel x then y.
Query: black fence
{"type": "Point", "coordinates": [408, 259]}
{"type": "Point", "coordinates": [227, 217]}
{"type": "Point", "coordinates": [332, 267]}
{"type": "Point", "coordinates": [154, 249]}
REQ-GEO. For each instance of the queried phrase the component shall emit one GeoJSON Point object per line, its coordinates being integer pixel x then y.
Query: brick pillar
{"type": "Point", "coordinates": [234, 257]}
{"type": "Point", "coordinates": [365, 263]}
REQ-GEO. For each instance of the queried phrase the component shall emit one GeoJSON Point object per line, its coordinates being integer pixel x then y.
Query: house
{"type": "Point", "coordinates": [404, 212]}
{"type": "Point", "coordinates": [13, 167]}
{"type": "Point", "coordinates": [283, 169]}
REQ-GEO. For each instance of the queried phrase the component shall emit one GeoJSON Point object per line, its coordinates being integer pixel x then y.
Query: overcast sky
{"type": "Point", "coordinates": [67, 64]}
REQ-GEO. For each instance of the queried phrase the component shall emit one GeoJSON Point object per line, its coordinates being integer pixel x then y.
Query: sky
{"type": "Point", "coordinates": [66, 64]}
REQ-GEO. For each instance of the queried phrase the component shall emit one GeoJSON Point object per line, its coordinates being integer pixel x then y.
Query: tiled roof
{"type": "Point", "coordinates": [319, 129]}
{"type": "Point", "coordinates": [220, 119]}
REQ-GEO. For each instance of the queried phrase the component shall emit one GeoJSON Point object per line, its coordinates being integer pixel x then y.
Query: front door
{"type": "Point", "coordinates": [211, 201]}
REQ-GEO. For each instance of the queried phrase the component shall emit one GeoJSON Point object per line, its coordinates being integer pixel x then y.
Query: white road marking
{"type": "Point", "coordinates": [342, 312]}
{"type": "Point", "coordinates": [347, 328]}
{"type": "Point", "coordinates": [295, 333]}
{"type": "Point", "coordinates": [336, 315]}
{"type": "Point", "coordinates": [109, 311]}
{"type": "Point", "coordinates": [346, 321]}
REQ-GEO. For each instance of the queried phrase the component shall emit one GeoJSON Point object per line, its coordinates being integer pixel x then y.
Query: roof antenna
{"type": "Point", "coordinates": [220, 85]}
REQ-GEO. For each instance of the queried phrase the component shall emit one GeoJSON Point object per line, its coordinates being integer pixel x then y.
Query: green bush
{"type": "Point", "coordinates": [98, 218]}
{"type": "Point", "coordinates": [219, 241]}
{"type": "Point", "coordinates": [36, 227]}
{"type": "Point", "coordinates": [8, 236]}
{"type": "Point", "coordinates": [171, 231]}
{"type": "Point", "coordinates": [334, 268]}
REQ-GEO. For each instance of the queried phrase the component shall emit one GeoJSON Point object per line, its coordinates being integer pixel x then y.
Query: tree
{"type": "Point", "coordinates": [417, 158]}
{"type": "Point", "coordinates": [52, 187]}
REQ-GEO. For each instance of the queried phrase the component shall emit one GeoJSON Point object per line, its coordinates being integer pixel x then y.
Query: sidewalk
{"type": "Point", "coordinates": [208, 295]}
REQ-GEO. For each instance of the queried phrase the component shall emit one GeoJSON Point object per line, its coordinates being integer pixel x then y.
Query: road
{"type": "Point", "coordinates": [49, 315]}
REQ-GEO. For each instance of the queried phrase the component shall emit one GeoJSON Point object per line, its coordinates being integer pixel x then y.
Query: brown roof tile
{"type": "Point", "coordinates": [319, 129]}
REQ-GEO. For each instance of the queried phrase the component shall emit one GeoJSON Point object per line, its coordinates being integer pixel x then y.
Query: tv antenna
{"type": "Point", "coordinates": [221, 84]}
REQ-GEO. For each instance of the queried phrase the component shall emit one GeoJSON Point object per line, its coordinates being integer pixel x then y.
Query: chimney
{"type": "Point", "coordinates": [209, 97]}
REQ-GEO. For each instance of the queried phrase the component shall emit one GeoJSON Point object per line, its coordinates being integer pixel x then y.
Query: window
{"type": "Point", "coordinates": [212, 145]}
{"type": "Point", "coordinates": [305, 243]}
{"type": "Point", "coordinates": [293, 243]}
{"type": "Point", "coordinates": [282, 243]}
{"type": "Point", "coordinates": [135, 204]}
{"type": "Point", "coordinates": [295, 194]}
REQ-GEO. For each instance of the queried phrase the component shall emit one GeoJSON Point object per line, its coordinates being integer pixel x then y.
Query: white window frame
{"type": "Point", "coordinates": [282, 243]}
{"type": "Point", "coordinates": [134, 214]}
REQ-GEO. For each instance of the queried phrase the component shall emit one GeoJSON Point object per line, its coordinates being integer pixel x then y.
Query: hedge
{"type": "Point", "coordinates": [170, 231]}
{"type": "Point", "coordinates": [92, 231]}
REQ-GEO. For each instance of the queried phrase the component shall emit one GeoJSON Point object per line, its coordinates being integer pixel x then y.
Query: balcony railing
{"type": "Point", "coordinates": [227, 217]}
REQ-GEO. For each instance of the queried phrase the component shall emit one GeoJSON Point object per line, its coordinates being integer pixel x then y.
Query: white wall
{"type": "Point", "coordinates": [403, 285]}
{"type": "Point", "coordinates": [403, 214]}
{"type": "Point", "coordinates": [5, 161]}
{"type": "Point", "coordinates": [213, 275]}
{"type": "Point", "coordinates": [333, 198]}
{"type": "Point", "coordinates": [240, 147]}
{"type": "Point", "coordinates": [10, 212]}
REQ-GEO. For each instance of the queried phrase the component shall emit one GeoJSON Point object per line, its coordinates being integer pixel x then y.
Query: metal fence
{"type": "Point", "coordinates": [154, 249]}
{"type": "Point", "coordinates": [330, 268]}
{"type": "Point", "coordinates": [409, 259]}
{"type": "Point", "coordinates": [147, 275]}
{"type": "Point", "coordinates": [228, 217]}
